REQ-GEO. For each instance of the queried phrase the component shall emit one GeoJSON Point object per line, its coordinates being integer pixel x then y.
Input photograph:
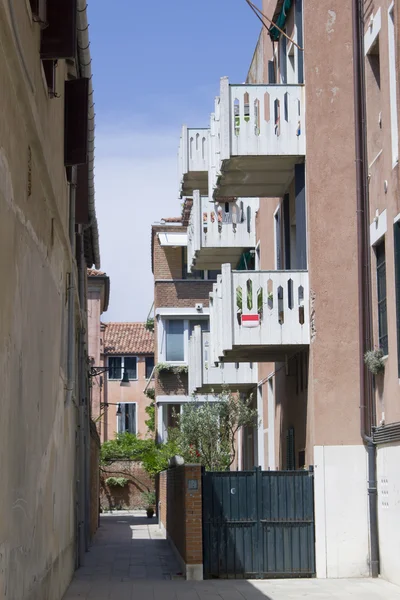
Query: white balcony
{"type": "Point", "coordinates": [259, 315]}
{"type": "Point", "coordinates": [205, 377]}
{"type": "Point", "coordinates": [220, 232]}
{"type": "Point", "coordinates": [193, 161]}
{"type": "Point", "coordinates": [261, 135]}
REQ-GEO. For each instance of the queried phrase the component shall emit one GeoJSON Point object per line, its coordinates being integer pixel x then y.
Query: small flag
{"type": "Point", "coordinates": [250, 320]}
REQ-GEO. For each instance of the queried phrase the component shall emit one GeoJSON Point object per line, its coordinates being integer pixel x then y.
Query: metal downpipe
{"type": "Point", "coordinates": [367, 403]}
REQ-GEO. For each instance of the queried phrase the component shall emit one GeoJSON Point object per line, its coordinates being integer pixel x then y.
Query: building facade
{"type": "Point", "coordinates": [299, 211]}
{"type": "Point", "coordinates": [126, 350]}
{"type": "Point", "coordinates": [48, 239]}
{"type": "Point", "coordinates": [180, 304]}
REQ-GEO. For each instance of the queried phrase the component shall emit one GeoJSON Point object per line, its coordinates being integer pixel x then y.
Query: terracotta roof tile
{"type": "Point", "coordinates": [128, 338]}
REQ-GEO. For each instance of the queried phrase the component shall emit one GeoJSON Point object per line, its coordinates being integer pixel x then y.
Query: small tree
{"type": "Point", "coordinates": [207, 432]}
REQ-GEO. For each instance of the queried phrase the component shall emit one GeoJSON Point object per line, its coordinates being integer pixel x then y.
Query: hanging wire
{"type": "Point", "coordinates": [260, 15]}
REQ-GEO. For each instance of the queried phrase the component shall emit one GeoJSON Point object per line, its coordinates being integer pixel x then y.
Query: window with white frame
{"type": "Point", "coordinates": [119, 364]}
{"type": "Point", "coordinates": [174, 337]}
{"type": "Point", "coordinates": [126, 420]}
{"type": "Point", "coordinates": [175, 341]}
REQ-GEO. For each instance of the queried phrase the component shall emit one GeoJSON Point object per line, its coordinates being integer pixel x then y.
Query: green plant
{"type": "Point", "coordinates": [149, 325]}
{"type": "Point", "coordinates": [116, 481]}
{"type": "Point", "coordinates": [206, 433]}
{"type": "Point", "coordinates": [168, 368]}
{"type": "Point", "coordinates": [239, 300]}
{"type": "Point", "coordinates": [374, 361]}
{"type": "Point", "coordinates": [127, 446]}
{"type": "Point", "coordinates": [150, 393]}
{"type": "Point", "coordinates": [149, 498]}
{"type": "Point", "coordinates": [151, 413]}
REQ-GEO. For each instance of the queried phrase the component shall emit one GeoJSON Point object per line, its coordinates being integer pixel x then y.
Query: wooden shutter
{"type": "Point", "coordinates": [76, 121]}
{"type": "Point", "coordinates": [39, 11]}
{"type": "Point", "coordinates": [59, 38]}
{"type": "Point", "coordinates": [49, 68]}
{"type": "Point", "coordinates": [271, 72]}
{"type": "Point", "coordinates": [82, 195]}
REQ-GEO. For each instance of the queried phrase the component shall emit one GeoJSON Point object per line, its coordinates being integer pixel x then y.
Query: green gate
{"type": "Point", "coordinates": [258, 524]}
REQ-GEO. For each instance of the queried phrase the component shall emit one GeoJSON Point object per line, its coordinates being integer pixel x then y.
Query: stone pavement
{"type": "Point", "coordinates": [131, 560]}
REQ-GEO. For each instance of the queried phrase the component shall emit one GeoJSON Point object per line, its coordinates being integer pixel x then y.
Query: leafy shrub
{"type": "Point", "coordinates": [374, 361]}
{"type": "Point", "coordinates": [116, 481]}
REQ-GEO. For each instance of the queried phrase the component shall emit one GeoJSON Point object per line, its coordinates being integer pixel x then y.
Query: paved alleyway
{"type": "Point", "coordinates": [131, 560]}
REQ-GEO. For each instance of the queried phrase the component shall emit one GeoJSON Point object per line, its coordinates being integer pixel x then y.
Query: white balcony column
{"type": "Point", "coordinates": [260, 428]}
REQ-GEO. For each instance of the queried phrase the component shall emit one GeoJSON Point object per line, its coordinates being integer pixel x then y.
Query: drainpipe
{"type": "Point", "coordinates": [84, 393]}
{"type": "Point", "coordinates": [367, 402]}
{"type": "Point", "coordinates": [70, 388]}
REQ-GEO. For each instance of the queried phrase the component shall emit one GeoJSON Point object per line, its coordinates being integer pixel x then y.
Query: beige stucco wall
{"type": "Point", "coordinates": [134, 393]}
{"type": "Point", "coordinates": [37, 428]}
{"type": "Point", "coordinates": [381, 170]}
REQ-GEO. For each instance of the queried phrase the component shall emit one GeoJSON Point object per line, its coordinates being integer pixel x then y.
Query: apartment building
{"type": "Point", "coordinates": [180, 304]}
{"type": "Point", "coordinates": [48, 239]}
{"type": "Point", "coordinates": [128, 355]}
{"type": "Point", "coordinates": [122, 367]}
{"type": "Point", "coordinates": [306, 153]}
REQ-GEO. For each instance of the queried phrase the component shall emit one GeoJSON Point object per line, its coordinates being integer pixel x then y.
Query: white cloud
{"type": "Point", "coordinates": [136, 185]}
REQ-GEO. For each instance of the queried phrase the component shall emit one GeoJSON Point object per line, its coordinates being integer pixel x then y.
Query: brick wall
{"type": "Point", "coordinates": [94, 479]}
{"type": "Point", "coordinates": [167, 261]}
{"type": "Point", "coordinates": [129, 496]}
{"type": "Point", "coordinates": [181, 515]}
{"type": "Point", "coordinates": [170, 384]}
{"type": "Point", "coordinates": [182, 294]}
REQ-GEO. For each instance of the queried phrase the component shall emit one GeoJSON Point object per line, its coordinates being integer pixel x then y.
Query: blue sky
{"type": "Point", "coordinates": [156, 65]}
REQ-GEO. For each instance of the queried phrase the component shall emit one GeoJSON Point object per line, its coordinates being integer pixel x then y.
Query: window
{"type": "Point", "coordinates": [185, 274]}
{"type": "Point", "coordinates": [115, 367]}
{"type": "Point", "coordinates": [130, 366]}
{"type": "Point", "coordinates": [381, 289]}
{"type": "Point", "coordinates": [396, 232]}
{"type": "Point", "coordinates": [126, 421]}
{"type": "Point", "coordinates": [175, 340]}
{"type": "Point", "coordinates": [393, 95]}
{"type": "Point", "coordinates": [213, 274]}
{"type": "Point", "coordinates": [149, 366]}
{"type": "Point", "coordinates": [202, 322]}
{"type": "Point", "coordinates": [119, 364]}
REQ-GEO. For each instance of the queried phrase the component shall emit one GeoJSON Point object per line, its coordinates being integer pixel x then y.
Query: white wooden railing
{"type": "Point", "coordinates": [203, 372]}
{"type": "Point", "coordinates": [259, 308]}
{"type": "Point", "coordinates": [221, 225]}
{"type": "Point", "coordinates": [261, 120]}
{"type": "Point", "coordinates": [194, 152]}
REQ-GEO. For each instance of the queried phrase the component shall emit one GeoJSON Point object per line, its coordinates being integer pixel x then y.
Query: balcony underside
{"type": "Point", "coordinates": [213, 258]}
{"type": "Point", "coordinates": [262, 353]}
{"type": "Point", "coordinates": [194, 180]}
{"type": "Point", "coordinates": [255, 176]}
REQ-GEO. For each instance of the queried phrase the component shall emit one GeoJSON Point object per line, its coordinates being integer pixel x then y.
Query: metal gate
{"type": "Point", "coordinates": [258, 524]}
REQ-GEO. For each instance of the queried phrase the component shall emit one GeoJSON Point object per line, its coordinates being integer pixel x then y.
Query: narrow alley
{"type": "Point", "coordinates": [132, 560]}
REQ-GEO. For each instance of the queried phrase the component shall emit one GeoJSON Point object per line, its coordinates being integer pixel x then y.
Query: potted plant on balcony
{"type": "Point", "coordinates": [374, 360]}
{"type": "Point", "coordinates": [150, 501]}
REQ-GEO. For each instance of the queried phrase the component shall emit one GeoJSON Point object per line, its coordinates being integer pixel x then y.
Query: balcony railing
{"type": "Point", "coordinates": [220, 232]}
{"type": "Point", "coordinates": [261, 133]}
{"type": "Point", "coordinates": [193, 160]}
{"type": "Point", "coordinates": [259, 315]}
{"type": "Point", "coordinates": [205, 377]}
